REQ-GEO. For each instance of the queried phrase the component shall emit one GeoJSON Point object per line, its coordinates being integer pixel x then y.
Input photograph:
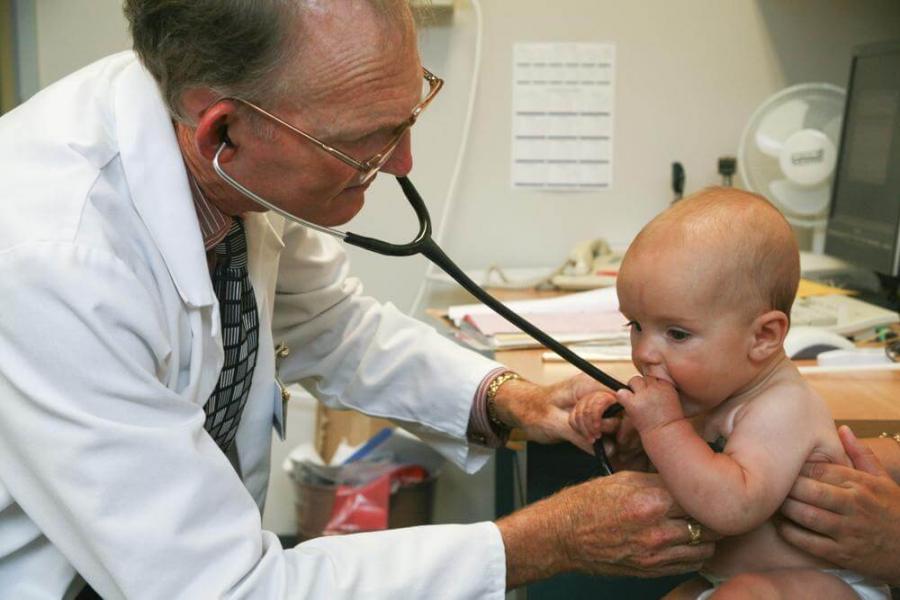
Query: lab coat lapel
{"type": "Point", "coordinates": [264, 246]}
{"type": "Point", "coordinates": [158, 185]}
{"type": "Point", "coordinates": [157, 181]}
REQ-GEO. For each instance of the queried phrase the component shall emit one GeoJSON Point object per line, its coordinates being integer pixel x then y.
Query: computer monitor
{"type": "Point", "coordinates": [864, 219]}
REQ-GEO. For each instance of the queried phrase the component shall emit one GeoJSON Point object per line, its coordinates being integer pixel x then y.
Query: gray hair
{"type": "Point", "coordinates": [234, 47]}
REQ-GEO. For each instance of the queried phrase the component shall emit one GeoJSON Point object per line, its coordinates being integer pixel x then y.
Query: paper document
{"type": "Point", "coordinates": [520, 341]}
{"type": "Point", "coordinates": [574, 322]}
{"type": "Point", "coordinates": [597, 301]}
{"type": "Point", "coordinates": [591, 316]}
{"type": "Point", "coordinates": [808, 288]}
{"type": "Point", "coordinates": [562, 116]}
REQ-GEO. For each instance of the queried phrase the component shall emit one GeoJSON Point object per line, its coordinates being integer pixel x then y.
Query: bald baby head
{"type": "Point", "coordinates": [736, 241]}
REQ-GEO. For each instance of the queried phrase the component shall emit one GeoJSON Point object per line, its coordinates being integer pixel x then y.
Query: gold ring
{"type": "Point", "coordinates": [695, 531]}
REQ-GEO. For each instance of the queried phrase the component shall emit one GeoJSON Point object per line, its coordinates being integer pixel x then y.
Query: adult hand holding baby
{"type": "Point", "coordinates": [850, 517]}
{"type": "Point", "coordinates": [625, 524]}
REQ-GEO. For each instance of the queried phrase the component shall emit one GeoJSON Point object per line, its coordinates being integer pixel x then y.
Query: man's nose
{"type": "Point", "coordinates": [400, 163]}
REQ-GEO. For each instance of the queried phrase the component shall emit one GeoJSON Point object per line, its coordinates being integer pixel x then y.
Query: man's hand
{"type": "Point", "coordinates": [651, 403]}
{"type": "Point", "coordinates": [848, 517]}
{"type": "Point", "coordinates": [625, 524]}
{"type": "Point", "coordinates": [542, 412]}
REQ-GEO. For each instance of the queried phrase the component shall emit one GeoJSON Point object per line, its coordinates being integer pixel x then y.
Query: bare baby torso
{"type": "Point", "coordinates": [761, 548]}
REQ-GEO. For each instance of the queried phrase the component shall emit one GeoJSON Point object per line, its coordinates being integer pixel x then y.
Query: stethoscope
{"type": "Point", "coordinates": [426, 246]}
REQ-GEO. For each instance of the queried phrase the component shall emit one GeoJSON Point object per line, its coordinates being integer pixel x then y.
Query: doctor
{"type": "Point", "coordinates": [142, 300]}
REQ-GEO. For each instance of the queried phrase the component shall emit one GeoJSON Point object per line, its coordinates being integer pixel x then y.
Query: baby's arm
{"type": "Point", "coordinates": [737, 490]}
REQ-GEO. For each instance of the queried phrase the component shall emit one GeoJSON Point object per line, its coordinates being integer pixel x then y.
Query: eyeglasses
{"type": "Point", "coordinates": [369, 167]}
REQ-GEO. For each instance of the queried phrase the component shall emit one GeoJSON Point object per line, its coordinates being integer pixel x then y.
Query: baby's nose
{"type": "Point", "coordinates": [644, 352]}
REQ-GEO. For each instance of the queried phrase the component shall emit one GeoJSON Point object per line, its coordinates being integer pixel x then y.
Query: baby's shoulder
{"type": "Point", "coordinates": [787, 387]}
{"type": "Point", "coordinates": [788, 397]}
{"type": "Point", "coordinates": [792, 404]}
{"type": "Point", "coordinates": [791, 390]}
{"type": "Point", "coordinates": [783, 396]}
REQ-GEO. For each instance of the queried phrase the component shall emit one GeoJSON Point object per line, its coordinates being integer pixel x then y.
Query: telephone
{"type": "Point", "coordinates": [591, 264]}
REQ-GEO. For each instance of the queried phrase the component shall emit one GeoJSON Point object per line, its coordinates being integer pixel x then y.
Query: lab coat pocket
{"type": "Point", "coordinates": [280, 396]}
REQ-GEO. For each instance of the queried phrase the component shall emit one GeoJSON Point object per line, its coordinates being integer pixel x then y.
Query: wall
{"type": "Point", "coordinates": [73, 33]}
{"type": "Point", "coordinates": [688, 75]}
{"type": "Point", "coordinates": [7, 62]}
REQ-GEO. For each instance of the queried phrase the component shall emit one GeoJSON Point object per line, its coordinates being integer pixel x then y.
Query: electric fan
{"type": "Point", "coordinates": [788, 152]}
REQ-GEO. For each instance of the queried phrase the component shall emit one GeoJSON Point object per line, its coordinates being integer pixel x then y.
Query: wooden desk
{"type": "Point", "coordinates": [867, 401]}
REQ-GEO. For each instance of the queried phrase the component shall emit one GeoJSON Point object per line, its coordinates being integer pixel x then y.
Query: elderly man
{"type": "Point", "coordinates": [143, 298]}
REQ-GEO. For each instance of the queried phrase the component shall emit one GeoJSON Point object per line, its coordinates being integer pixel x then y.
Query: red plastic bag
{"type": "Point", "coordinates": [365, 507]}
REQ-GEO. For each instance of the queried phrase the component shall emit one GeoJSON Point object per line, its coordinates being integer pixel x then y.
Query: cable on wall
{"type": "Point", "coordinates": [438, 235]}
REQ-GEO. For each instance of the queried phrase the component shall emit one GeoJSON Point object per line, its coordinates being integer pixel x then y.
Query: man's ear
{"type": "Point", "coordinates": [769, 330]}
{"type": "Point", "coordinates": [212, 131]}
{"type": "Point", "coordinates": [213, 119]}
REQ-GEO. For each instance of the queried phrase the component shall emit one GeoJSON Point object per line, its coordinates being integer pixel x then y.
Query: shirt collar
{"type": "Point", "coordinates": [214, 224]}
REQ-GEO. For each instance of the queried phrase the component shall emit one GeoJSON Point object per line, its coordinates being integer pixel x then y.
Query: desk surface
{"type": "Point", "coordinates": [867, 401]}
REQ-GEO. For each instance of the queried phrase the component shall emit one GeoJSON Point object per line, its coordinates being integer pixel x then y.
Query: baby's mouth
{"type": "Point", "coordinates": [659, 374]}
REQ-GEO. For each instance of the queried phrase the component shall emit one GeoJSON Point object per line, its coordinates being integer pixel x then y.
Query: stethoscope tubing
{"type": "Point", "coordinates": [425, 245]}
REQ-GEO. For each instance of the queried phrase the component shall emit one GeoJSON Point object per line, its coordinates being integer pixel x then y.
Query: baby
{"type": "Point", "coordinates": [707, 288]}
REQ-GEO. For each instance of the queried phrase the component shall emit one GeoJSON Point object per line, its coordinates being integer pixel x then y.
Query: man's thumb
{"type": "Point", "coordinates": [861, 455]}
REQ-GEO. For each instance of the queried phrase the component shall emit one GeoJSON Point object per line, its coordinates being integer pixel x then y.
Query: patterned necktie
{"type": "Point", "coordinates": [240, 337]}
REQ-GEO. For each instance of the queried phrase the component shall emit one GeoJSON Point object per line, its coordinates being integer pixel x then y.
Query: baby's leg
{"type": "Point", "coordinates": [786, 584]}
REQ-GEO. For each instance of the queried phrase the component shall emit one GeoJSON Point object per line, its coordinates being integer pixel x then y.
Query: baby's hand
{"type": "Point", "coordinates": [651, 403]}
{"type": "Point", "coordinates": [587, 419]}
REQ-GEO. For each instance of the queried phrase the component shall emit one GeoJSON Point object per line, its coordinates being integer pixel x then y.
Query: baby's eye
{"type": "Point", "coordinates": [633, 325]}
{"type": "Point", "coordinates": [678, 335]}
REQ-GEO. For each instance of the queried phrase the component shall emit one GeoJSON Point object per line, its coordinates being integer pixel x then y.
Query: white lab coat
{"type": "Point", "coordinates": [110, 346]}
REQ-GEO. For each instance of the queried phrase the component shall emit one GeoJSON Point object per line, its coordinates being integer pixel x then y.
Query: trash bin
{"type": "Point", "coordinates": [410, 505]}
{"type": "Point", "coordinates": [388, 482]}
